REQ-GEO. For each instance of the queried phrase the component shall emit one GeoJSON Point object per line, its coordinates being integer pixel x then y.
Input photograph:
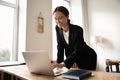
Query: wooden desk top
{"type": "Point", "coordinates": [22, 72]}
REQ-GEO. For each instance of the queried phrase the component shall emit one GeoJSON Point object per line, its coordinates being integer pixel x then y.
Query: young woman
{"type": "Point", "coordinates": [70, 42]}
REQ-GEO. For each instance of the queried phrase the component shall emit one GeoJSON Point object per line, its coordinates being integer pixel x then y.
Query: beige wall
{"type": "Point", "coordinates": [35, 40]}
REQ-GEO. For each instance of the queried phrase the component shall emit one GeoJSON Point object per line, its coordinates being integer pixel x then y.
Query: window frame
{"type": "Point", "coordinates": [14, 54]}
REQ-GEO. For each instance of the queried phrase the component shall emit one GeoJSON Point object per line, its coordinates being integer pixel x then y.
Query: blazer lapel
{"type": "Point", "coordinates": [72, 36]}
{"type": "Point", "coordinates": [61, 33]}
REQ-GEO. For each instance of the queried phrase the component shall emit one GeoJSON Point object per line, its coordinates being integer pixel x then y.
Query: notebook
{"type": "Point", "coordinates": [77, 74]}
{"type": "Point", "coordinates": [38, 62]}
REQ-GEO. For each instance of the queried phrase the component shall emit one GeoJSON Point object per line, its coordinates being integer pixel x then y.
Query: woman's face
{"type": "Point", "coordinates": [60, 19]}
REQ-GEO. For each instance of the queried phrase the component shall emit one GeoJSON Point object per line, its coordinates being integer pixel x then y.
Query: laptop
{"type": "Point", "coordinates": [38, 62]}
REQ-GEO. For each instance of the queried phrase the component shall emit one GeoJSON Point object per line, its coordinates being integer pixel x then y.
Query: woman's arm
{"type": "Point", "coordinates": [60, 47]}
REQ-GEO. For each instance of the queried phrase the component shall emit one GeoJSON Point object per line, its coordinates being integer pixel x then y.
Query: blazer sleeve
{"type": "Point", "coordinates": [60, 47]}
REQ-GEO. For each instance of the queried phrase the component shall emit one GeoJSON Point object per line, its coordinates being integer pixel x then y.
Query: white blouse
{"type": "Point", "coordinates": [66, 36]}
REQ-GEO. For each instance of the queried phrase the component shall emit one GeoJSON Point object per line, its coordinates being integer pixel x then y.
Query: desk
{"type": "Point", "coordinates": [22, 73]}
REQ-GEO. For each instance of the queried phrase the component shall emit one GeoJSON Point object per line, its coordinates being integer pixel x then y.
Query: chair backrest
{"type": "Point", "coordinates": [112, 62]}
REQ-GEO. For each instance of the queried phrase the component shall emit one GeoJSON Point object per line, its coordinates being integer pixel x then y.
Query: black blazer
{"type": "Point", "coordinates": [77, 50]}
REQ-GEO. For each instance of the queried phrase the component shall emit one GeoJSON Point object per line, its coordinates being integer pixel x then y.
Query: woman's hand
{"type": "Point", "coordinates": [58, 65]}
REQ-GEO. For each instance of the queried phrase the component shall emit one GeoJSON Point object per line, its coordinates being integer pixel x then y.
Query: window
{"type": "Point", "coordinates": [10, 1]}
{"type": "Point", "coordinates": [8, 29]}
